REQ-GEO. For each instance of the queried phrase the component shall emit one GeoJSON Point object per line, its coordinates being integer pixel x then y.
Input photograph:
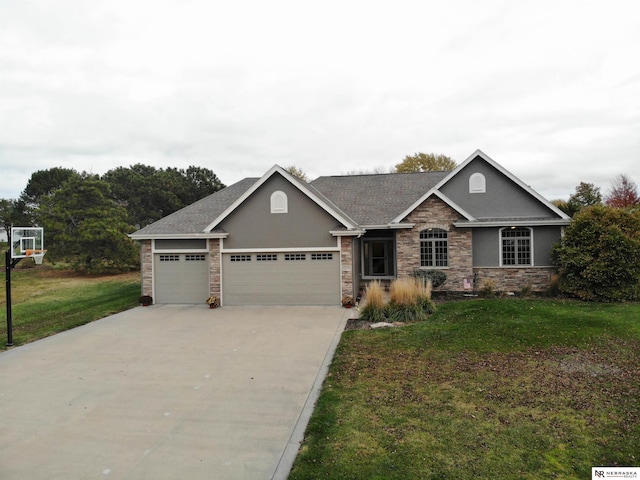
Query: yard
{"type": "Point", "coordinates": [493, 389]}
{"type": "Point", "coordinates": [47, 300]}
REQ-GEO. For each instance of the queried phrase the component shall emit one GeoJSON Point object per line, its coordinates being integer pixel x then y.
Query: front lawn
{"type": "Point", "coordinates": [46, 301]}
{"type": "Point", "coordinates": [493, 389]}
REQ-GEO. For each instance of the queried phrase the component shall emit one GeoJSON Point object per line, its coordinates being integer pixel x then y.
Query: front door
{"type": "Point", "coordinates": [378, 258]}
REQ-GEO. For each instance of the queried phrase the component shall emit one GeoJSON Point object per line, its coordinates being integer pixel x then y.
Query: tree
{"type": "Point", "coordinates": [14, 213]}
{"type": "Point", "coordinates": [297, 172]}
{"type": "Point", "coordinates": [426, 162]}
{"type": "Point", "coordinates": [623, 193]}
{"type": "Point", "coordinates": [586, 195]}
{"type": "Point", "coordinates": [561, 205]}
{"type": "Point", "coordinates": [599, 256]}
{"type": "Point", "coordinates": [149, 194]}
{"type": "Point", "coordinates": [86, 226]}
{"type": "Point", "coordinates": [44, 182]}
{"type": "Point", "coordinates": [143, 193]}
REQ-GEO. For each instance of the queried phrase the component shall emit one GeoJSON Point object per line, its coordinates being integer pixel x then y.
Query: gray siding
{"type": "Point", "coordinates": [486, 246]}
{"type": "Point", "coordinates": [252, 225]}
{"type": "Point", "coordinates": [182, 244]}
{"type": "Point", "coordinates": [502, 198]}
{"type": "Point", "coordinates": [543, 240]}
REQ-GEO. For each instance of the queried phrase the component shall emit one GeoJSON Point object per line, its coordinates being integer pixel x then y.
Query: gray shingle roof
{"type": "Point", "coordinates": [197, 216]}
{"type": "Point", "coordinates": [366, 199]}
{"type": "Point", "coordinates": [377, 199]}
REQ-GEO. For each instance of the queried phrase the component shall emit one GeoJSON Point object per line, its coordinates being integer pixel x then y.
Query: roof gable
{"type": "Point", "coordinates": [311, 193]}
{"type": "Point", "coordinates": [521, 193]}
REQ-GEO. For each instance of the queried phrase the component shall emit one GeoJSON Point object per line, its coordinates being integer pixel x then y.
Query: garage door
{"type": "Point", "coordinates": [311, 278]}
{"type": "Point", "coordinates": [181, 278]}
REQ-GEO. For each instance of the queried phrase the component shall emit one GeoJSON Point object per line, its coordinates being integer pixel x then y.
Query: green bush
{"type": "Point", "coordinates": [437, 277]}
{"type": "Point", "coordinates": [599, 256]}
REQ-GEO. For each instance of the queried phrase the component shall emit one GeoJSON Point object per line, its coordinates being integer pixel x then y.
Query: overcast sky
{"type": "Point", "coordinates": [548, 89]}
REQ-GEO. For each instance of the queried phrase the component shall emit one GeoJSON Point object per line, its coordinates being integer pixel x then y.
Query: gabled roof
{"type": "Point", "coordinates": [470, 220]}
{"type": "Point", "coordinates": [357, 202]}
{"type": "Point", "coordinates": [312, 193]}
{"type": "Point", "coordinates": [376, 199]}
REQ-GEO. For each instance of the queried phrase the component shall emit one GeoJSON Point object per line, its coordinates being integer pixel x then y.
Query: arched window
{"type": "Point", "coordinates": [516, 246]}
{"type": "Point", "coordinates": [434, 248]}
{"type": "Point", "coordinates": [279, 203]}
{"type": "Point", "coordinates": [477, 183]}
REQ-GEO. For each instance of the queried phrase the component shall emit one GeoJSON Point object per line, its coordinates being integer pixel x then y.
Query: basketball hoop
{"type": "Point", "coordinates": [37, 255]}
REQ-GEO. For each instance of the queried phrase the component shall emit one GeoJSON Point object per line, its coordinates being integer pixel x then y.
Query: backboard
{"type": "Point", "coordinates": [25, 241]}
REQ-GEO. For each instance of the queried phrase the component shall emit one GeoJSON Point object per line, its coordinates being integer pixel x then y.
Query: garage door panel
{"type": "Point", "coordinates": [181, 278]}
{"type": "Point", "coordinates": [302, 280]}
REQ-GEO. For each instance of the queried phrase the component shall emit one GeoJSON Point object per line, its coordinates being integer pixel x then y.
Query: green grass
{"type": "Point", "coordinates": [485, 389]}
{"type": "Point", "coordinates": [47, 301]}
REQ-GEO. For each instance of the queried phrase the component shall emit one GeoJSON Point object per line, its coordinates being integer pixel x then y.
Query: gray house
{"type": "Point", "coordinates": [277, 240]}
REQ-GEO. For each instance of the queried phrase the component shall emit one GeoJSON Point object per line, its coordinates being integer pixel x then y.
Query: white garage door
{"type": "Point", "coordinates": [181, 278]}
{"type": "Point", "coordinates": [311, 278]}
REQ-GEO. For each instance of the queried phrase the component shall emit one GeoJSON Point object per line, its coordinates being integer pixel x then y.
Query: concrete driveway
{"type": "Point", "coordinates": [166, 392]}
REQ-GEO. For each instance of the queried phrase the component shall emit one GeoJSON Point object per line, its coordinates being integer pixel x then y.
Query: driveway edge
{"type": "Point", "coordinates": [297, 436]}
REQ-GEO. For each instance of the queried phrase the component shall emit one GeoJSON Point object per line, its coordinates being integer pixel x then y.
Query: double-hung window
{"type": "Point", "coordinates": [515, 246]}
{"type": "Point", "coordinates": [434, 248]}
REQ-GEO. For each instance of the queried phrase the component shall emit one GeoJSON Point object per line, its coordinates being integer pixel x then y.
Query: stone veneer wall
{"type": "Point", "coordinates": [434, 213]}
{"type": "Point", "coordinates": [214, 267]}
{"type": "Point", "coordinates": [146, 262]}
{"type": "Point", "coordinates": [514, 279]}
{"type": "Point", "coordinates": [346, 266]}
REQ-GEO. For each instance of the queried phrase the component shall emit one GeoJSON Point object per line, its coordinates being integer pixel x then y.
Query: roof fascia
{"type": "Point", "coordinates": [179, 236]}
{"type": "Point", "coordinates": [513, 223]}
{"type": "Point", "coordinates": [347, 233]}
{"type": "Point", "coordinates": [441, 196]}
{"type": "Point", "coordinates": [509, 175]}
{"type": "Point", "coordinates": [296, 183]}
{"type": "Point", "coordinates": [389, 226]}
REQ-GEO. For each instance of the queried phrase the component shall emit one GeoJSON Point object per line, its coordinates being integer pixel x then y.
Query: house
{"type": "Point", "coordinates": [277, 240]}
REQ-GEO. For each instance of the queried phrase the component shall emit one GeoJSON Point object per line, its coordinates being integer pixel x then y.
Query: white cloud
{"type": "Point", "coordinates": [548, 89]}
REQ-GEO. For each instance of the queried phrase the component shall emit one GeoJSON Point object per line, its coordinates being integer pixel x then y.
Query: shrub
{"type": "Point", "coordinates": [488, 289]}
{"type": "Point", "coordinates": [554, 285]}
{"type": "Point", "coordinates": [437, 277]}
{"type": "Point", "coordinates": [410, 300]}
{"type": "Point", "coordinates": [374, 310]}
{"type": "Point", "coordinates": [526, 290]}
{"type": "Point", "coordinates": [599, 256]}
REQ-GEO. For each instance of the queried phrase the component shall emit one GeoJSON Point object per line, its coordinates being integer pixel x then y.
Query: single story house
{"type": "Point", "coordinates": [277, 240]}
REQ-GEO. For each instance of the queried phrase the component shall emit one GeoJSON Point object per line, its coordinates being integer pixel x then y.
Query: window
{"type": "Point", "coordinates": [515, 244]}
{"type": "Point", "coordinates": [293, 257]}
{"type": "Point", "coordinates": [477, 183]}
{"type": "Point", "coordinates": [194, 257]}
{"type": "Point", "coordinates": [169, 258]}
{"type": "Point", "coordinates": [279, 203]}
{"type": "Point", "coordinates": [322, 256]}
{"type": "Point", "coordinates": [266, 257]}
{"type": "Point", "coordinates": [240, 258]}
{"type": "Point", "coordinates": [434, 248]}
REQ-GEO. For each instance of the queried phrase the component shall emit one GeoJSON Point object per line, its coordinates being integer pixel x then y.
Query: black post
{"type": "Point", "coordinates": [8, 264]}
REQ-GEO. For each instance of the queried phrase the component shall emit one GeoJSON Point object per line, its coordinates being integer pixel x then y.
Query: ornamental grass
{"type": "Point", "coordinates": [375, 309]}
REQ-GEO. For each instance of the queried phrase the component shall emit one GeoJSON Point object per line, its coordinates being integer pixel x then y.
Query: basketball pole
{"type": "Point", "coordinates": [10, 262]}
{"type": "Point", "coordinates": [8, 284]}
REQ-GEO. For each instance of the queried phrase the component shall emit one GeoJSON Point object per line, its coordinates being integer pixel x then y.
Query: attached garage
{"type": "Point", "coordinates": [181, 277]}
{"type": "Point", "coordinates": [295, 278]}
